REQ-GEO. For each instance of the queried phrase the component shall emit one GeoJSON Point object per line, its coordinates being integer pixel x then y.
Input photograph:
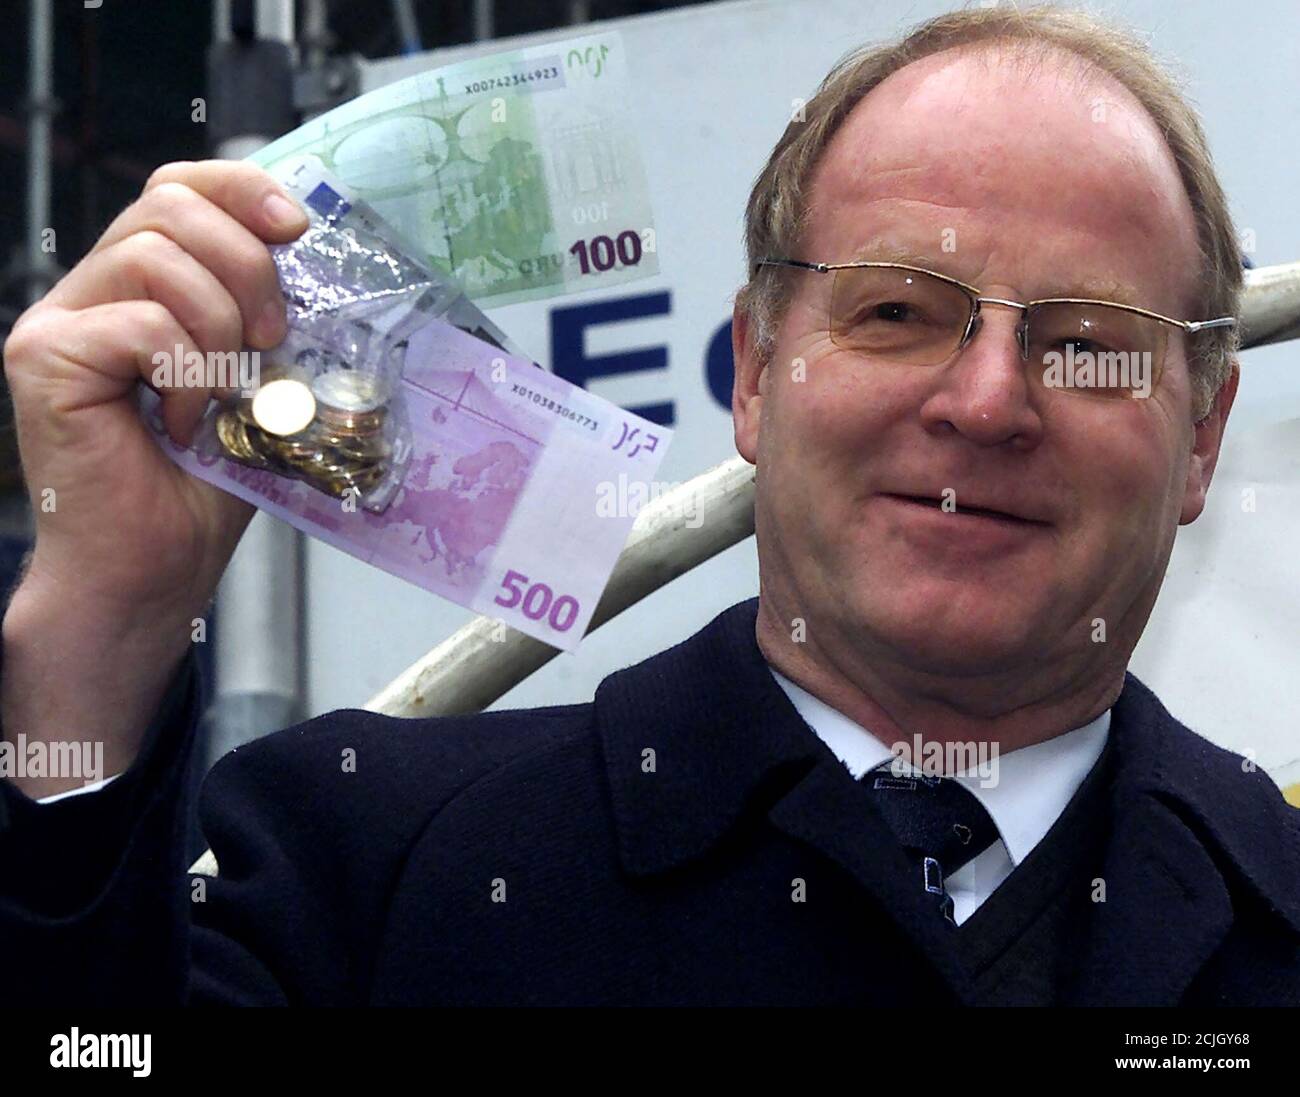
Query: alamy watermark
{"type": "Point", "coordinates": [933, 758]}
{"type": "Point", "coordinates": [626, 497]}
{"type": "Point", "coordinates": [63, 759]}
{"type": "Point", "coordinates": [115, 1051]}
{"type": "Point", "coordinates": [1107, 369]}
{"type": "Point", "coordinates": [230, 369]}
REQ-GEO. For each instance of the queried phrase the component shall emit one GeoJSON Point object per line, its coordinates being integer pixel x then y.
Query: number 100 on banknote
{"type": "Point", "coordinates": [518, 174]}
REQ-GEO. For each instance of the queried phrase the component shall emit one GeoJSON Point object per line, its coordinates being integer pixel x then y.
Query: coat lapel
{"type": "Point", "coordinates": [1183, 814]}
{"type": "Point", "coordinates": [830, 812]}
{"type": "Point", "coordinates": [1166, 909]}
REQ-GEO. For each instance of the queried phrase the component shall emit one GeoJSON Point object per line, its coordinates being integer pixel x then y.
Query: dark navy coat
{"type": "Point", "coordinates": [640, 848]}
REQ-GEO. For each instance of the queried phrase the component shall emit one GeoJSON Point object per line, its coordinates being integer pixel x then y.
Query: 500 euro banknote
{"type": "Point", "coordinates": [518, 174]}
{"type": "Point", "coordinates": [505, 506]}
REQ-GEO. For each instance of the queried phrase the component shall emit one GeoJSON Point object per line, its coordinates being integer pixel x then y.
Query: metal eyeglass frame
{"type": "Point", "coordinates": [977, 299]}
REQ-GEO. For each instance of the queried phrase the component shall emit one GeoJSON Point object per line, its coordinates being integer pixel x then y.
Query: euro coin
{"type": "Point", "coordinates": [349, 390]}
{"type": "Point", "coordinates": [348, 422]}
{"type": "Point", "coordinates": [233, 436]}
{"type": "Point", "coordinates": [284, 407]}
{"type": "Point", "coordinates": [362, 449]}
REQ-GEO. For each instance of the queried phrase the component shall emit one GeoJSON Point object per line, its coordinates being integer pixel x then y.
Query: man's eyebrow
{"type": "Point", "coordinates": [885, 251]}
{"type": "Point", "coordinates": [876, 251]}
{"type": "Point", "coordinates": [1097, 289]}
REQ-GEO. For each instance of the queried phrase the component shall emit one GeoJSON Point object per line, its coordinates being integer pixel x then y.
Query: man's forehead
{"type": "Point", "coordinates": [1042, 155]}
{"type": "Point", "coordinates": [980, 100]}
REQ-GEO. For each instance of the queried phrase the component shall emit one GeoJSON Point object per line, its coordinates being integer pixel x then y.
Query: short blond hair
{"type": "Point", "coordinates": [777, 212]}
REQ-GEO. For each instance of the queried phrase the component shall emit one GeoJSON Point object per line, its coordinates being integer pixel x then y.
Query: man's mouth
{"type": "Point", "coordinates": [956, 507]}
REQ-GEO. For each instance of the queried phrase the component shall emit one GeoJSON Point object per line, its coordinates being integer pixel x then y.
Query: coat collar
{"type": "Point", "coordinates": [1235, 811]}
{"type": "Point", "coordinates": [727, 741]}
{"type": "Point", "coordinates": [1193, 829]}
{"type": "Point", "coordinates": [720, 728]}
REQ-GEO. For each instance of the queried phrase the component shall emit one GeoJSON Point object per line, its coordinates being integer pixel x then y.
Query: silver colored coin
{"type": "Point", "coordinates": [349, 390]}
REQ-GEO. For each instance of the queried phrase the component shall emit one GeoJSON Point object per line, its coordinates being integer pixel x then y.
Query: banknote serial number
{"type": "Point", "coordinates": [550, 72]}
{"type": "Point", "coordinates": [564, 412]}
{"type": "Point", "coordinates": [537, 601]}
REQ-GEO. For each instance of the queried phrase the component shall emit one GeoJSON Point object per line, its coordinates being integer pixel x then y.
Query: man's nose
{"type": "Point", "coordinates": [983, 391]}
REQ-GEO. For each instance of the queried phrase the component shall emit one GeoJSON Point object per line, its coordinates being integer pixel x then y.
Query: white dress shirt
{"type": "Point", "coordinates": [94, 786]}
{"type": "Point", "coordinates": [1034, 784]}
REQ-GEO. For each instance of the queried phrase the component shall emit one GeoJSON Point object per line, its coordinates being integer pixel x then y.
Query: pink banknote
{"type": "Point", "coordinates": [505, 503]}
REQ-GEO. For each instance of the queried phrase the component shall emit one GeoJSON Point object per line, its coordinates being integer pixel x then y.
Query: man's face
{"type": "Point", "coordinates": [1027, 186]}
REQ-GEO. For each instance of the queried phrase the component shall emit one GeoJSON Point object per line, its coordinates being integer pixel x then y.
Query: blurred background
{"type": "Point", "coordinates": [101, 93]}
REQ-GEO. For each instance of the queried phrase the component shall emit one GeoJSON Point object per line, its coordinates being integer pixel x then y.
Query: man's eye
{"type": "Point", "coordinates": [1081, 346]}
{"type": "Point", "coordinates": [893, 311]}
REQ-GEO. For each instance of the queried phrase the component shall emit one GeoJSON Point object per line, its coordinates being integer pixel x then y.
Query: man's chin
{"type": "Point", "coordinates": [954, 641]}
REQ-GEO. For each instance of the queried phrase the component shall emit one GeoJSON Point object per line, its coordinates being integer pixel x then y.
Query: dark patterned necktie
{"type": "Point", "coordinates": [940, 824]}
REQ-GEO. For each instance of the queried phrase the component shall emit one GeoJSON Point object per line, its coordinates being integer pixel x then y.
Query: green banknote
{"type": "Point", "coordinates": [517, 174]}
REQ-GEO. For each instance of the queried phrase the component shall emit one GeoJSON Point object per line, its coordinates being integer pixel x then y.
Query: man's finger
{"type": "Point", "coordinates": [213, 273]}
{"type": "Point", "coordinates": [244, 191]}
{"type": "Point", "coordinates": [99, 358]}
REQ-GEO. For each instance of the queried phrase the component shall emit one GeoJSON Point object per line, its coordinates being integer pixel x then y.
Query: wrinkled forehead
{"type": "Point", "coordinates": [1029, 162]}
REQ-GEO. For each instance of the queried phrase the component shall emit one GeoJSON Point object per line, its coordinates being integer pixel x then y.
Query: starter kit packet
{"type": "Point", "coordinates": [327, 408]}
{"type": "Point", "coordinates": [504, 488]}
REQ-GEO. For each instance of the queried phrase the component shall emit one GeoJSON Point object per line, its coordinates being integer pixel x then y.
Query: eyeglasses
{"type": "Point", "coordinates": [910, 316]}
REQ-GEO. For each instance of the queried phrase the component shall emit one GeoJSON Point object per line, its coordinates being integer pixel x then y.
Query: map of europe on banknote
{"type": "Point", "coordinates": [517, 174]}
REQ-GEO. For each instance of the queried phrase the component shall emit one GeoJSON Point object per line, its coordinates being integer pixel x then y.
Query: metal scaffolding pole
{"type": "Point", "coordinates": [484, 12]}
{"type": "Point", "coordinates": [408, 30]}
{"type": "Point", "coordinates": [40, 106]}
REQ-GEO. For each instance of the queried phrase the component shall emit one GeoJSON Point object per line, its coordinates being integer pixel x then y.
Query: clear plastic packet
{"type": "Point", "coordinates": [326, 406]}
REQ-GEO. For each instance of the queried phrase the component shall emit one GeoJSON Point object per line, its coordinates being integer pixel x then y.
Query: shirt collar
{"type": "Point", "coordinates": [1034, 785]}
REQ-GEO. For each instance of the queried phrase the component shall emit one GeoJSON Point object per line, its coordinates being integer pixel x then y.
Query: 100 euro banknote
{"type": "Point", "coordinates": [518, 174]}
{"type": "Point", "coordinates": [505, 505]}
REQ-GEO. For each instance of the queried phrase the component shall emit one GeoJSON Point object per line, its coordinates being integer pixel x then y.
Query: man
{"type": "Point", "coordinates": [959, 546]}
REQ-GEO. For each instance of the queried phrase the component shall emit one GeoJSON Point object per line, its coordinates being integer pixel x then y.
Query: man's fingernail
{"type": "Point", "coordinates": [281, 212]}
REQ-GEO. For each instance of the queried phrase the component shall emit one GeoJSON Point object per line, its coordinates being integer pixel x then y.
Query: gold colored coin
{"type": "Point", "coordinates": [294, 448]}
{"type": "Point", "coordinates": [232, 435]}
{"type": "Point", "coordinates": [261, 443]}
{"type": "Point", "coordinates": [283, 407]}
{"type": "Point", "coordinates": [346, 422]}
{"type": "Point", "coordinates": [334, 456]}
{"type": "Point", "coordinates": [366, 455]}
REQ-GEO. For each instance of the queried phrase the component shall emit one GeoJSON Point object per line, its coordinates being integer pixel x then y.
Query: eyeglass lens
{"type": "Point", "coordinates": [909, 318]}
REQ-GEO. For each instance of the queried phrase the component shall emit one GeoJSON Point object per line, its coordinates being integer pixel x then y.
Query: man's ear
{"type": "Point", "coordinates": [749, 385]}
{"type": "Point", "coordinates": [1206, 444]}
